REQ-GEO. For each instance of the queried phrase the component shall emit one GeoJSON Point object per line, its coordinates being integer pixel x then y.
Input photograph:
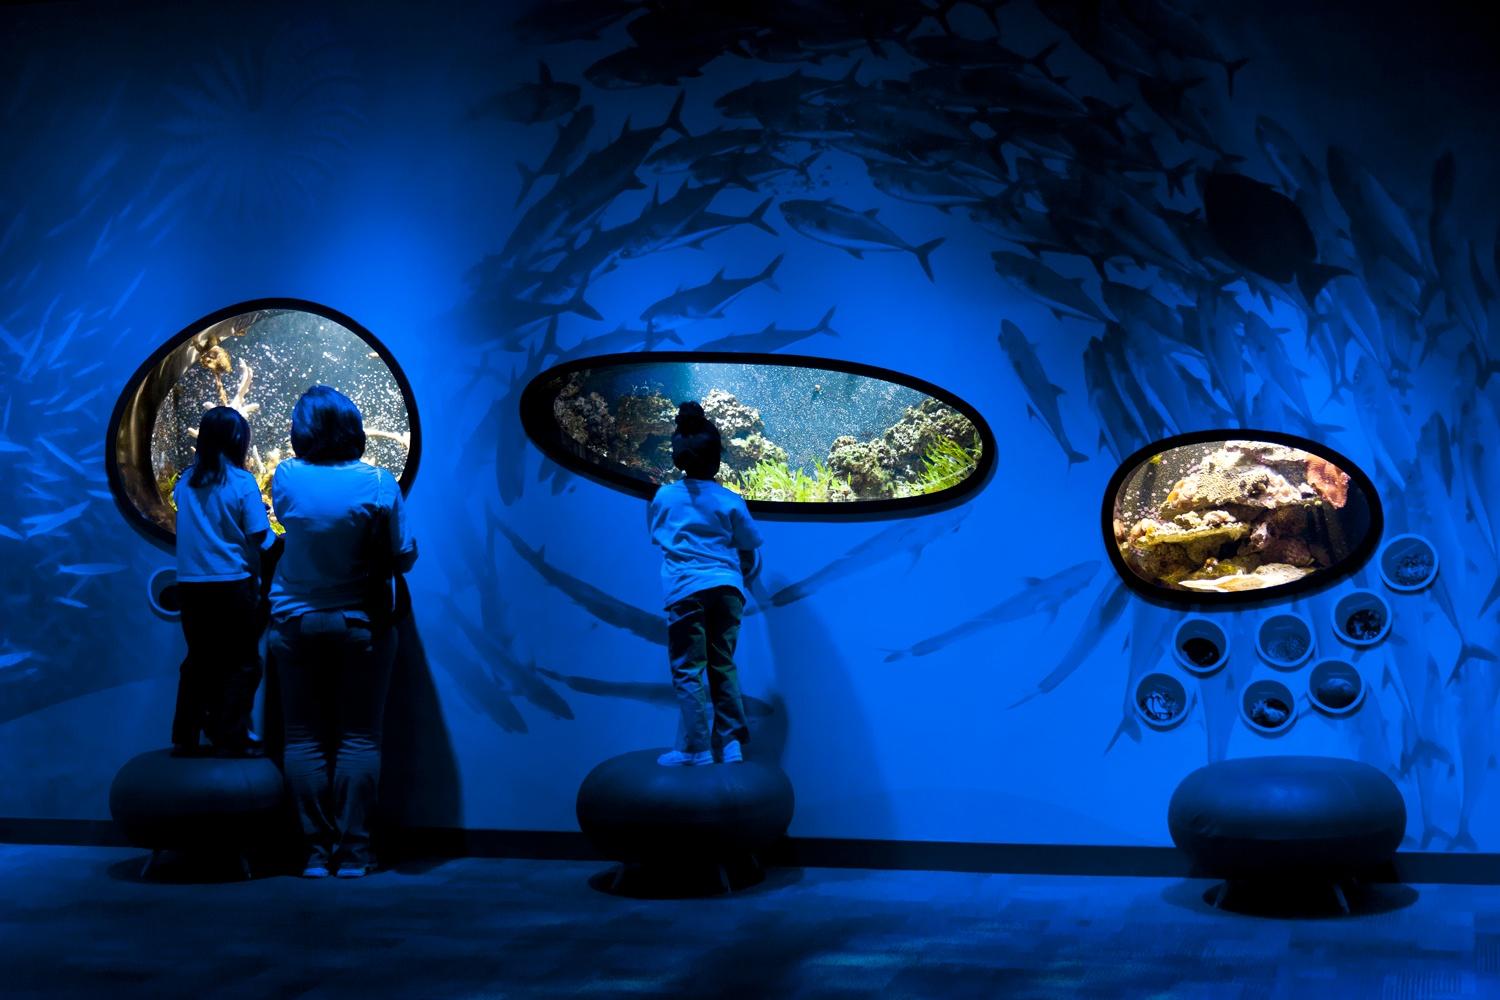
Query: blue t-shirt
{"type": "Point", "coordinates": [216, 526]}
{"type": "Point", "coordinates": [327, 510]}
{"type": "Point", "coordinates": [701, 528]}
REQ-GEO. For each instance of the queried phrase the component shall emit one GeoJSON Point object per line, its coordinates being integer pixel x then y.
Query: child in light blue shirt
{"type": "Point", "coordinates": [709, 545]}
{"type": "Point", "coordinates": [221, 530]}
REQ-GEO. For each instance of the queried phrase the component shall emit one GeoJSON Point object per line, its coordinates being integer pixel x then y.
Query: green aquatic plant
{"type": "Point", "coordinates": [945, 464]}
{"type": "Point", "coordinates": [773, 480]}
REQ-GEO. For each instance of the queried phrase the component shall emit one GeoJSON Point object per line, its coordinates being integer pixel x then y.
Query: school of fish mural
{"type": "Point", "coordinates": [1081, 217]}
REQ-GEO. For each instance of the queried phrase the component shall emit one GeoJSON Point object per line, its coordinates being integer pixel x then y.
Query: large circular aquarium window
{"type": "Point", "coordinates": [257, 357]}
{"type": "Point", "coordinates": [1236, 516]}
{"type": "Point", "coordinates": [802, 436]}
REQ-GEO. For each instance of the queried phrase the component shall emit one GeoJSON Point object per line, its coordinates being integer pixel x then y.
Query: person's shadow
{"type": "Point", "coordinates": [808, 668]}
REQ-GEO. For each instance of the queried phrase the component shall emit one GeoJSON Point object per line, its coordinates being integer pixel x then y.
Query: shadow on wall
{"type": "Point", "coordinates": [809, 669]}
{"type": "Point", "coordinates": [419, 775]}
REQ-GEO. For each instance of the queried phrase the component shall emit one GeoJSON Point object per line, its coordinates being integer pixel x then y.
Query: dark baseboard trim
{"type": "Point", "coordinates": [62, 832]}
{"type": "Point", "coordinates": [1017, 859]}
{"type": "Point", "coordinates": [807, 852]}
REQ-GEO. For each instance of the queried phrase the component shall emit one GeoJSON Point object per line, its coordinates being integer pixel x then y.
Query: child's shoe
{"type": "Point", "coordinates": [315, 869]}
{"type": "Point", "coordinates": [676, 758]}
{"type": "Point", "coordinates": [353, 869]}
{"type": "Point", "coordinates": [732, 754]}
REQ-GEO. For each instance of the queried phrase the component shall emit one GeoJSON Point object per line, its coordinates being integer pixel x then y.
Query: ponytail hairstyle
{"type": "Point", "coordinates": [696, 446]}
{"type": "Point", "coordinates": [223, 440]}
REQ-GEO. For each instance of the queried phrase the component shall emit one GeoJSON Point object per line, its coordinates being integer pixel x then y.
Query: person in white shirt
{"type": "Point", "coordinates": [332, 638]}
{"type": "Point", "coordinates": [221, 530]}
{"type": "Point", "coordinates": [708, 542]}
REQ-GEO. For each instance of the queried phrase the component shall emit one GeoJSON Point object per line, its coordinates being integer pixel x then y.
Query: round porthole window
{"type": "Point", "coordinates": [1233, 516]}
{"type": "Point", "coordinates": [257, 357]}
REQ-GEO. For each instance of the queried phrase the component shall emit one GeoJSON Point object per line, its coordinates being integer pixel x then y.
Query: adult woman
{"type": "Point", "coordinates": [333, 647]}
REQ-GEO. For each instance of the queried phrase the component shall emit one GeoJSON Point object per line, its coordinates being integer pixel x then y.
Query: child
{"type": "Point", "coordinates": [221, 530]}
{"type": "Point", "coordinates": [708, 544]}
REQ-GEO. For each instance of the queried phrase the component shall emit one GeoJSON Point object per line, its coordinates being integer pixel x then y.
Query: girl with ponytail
{"type": "Point", "coordinates": [221, 529]}
{"type": "Point", "coordinates": [708, 542]}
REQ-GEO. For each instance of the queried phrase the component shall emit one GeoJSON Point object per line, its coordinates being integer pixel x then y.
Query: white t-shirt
{"type": "Point", "coordinates": [700, 526]}
{"type": "Point", "coordinates": [326, 510]}
{"type": "Point", "coordinates": [214, 528]}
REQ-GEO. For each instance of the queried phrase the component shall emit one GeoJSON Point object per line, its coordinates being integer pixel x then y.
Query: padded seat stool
{"type": "Point", "coordinates": [682, 827]}
{"type": "Point", "coordinates": [198, 805]}
{"type": "Point", "coordinates": [1287, 821]}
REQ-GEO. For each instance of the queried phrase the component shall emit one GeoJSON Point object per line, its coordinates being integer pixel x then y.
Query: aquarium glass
{"type": "Point", "coordinates": [1214, 519]}
{"type": "Point", "coordinates": [792, 433]}
{"type": "Point", "coordinates": [259, 362]}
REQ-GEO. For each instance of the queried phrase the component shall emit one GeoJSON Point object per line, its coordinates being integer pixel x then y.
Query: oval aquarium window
{"type": "Point", "coordinates": [1235, 516]}
{"type": "Point", "coordinates": [257, 357]}
{"type": "Point", "coordinates": [801, 436]}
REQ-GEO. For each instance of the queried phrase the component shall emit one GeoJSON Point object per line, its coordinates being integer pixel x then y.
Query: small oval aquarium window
{"type": "Point", "coordinates": [1235, 516]}
{"type": "Point", "coordinates": [802, 436]}
{"type": "Point", "coordinates": [257, 357]}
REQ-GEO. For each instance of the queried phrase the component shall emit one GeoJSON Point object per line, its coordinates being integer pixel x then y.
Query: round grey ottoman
{"type": "Point", "coordinates": [1285, 819]}
{"type": "Point", "coordinates": [198, 805]}
{"type": "Point", "coordinates": [675, 823]}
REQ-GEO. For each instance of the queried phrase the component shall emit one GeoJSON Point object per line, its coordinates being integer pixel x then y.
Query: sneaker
{"type": "Point", "coordinates": [676, 758]}
{"type": "Point", "coordinates": [353, 869]}
{"type": "Point", "coordinates": [732, 754]}
{"type": "Point", "coordinates": [315, 869]}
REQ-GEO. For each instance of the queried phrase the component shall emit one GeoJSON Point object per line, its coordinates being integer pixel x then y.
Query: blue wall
{"type": "Point", "coordinates": [163, 161]}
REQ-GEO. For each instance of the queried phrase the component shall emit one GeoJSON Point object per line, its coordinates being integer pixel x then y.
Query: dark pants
{"type": "Point", "coordinates": [701, 633]}
{"type": "Point", "coordinates": [217, 682]}
{"type": "Point", "coordinates": [334, 672]}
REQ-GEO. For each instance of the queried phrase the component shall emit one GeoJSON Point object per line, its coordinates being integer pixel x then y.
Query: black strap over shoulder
{"type": "Point", "coordinates": [387, 599]}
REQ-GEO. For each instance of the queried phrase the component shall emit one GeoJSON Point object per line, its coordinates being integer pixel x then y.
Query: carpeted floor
{"type": "Point", "coordinates": [80, 922]}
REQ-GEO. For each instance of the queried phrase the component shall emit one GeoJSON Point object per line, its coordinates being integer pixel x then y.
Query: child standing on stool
{"type": "Point", "coordinates": [221, 531]}
{"type": "Point", "coordinates": [708, 544]}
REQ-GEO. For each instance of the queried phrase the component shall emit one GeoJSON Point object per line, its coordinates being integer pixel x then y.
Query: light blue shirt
{"type": "Point", "coordinates": [327, 510]}
{"type": "Point", "coordinates": [701, 528]}
{"type": "Point", "coordinates": [217, 527]}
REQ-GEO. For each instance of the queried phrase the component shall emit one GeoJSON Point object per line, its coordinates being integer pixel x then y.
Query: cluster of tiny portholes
{"type": "Point", "coordinates": [1286, 643]}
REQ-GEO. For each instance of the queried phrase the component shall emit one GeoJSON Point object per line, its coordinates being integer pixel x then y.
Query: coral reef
{"type": "Point", "coordinates": [865, 465]}
{"type": "Point", "coordinates": [1331, 482]}
{"type": "Point", "coordinates": [920, 429]}
{"type": "Point", "coordinates": [584, 417]}
{"type": "Point", "coordinates": [929, 449]}
{"type": "Point", "coordinates": [743, 433]}
{"type": "Point", "coordinates": [1246, 516]}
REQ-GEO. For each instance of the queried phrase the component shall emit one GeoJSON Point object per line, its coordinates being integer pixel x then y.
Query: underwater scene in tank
{"type": "Point", "coordinates": [791, 433]}
{"type": "Point", "coordinates": [1233, 516]}
{"type": "Point", "coordinates": [259, 363]}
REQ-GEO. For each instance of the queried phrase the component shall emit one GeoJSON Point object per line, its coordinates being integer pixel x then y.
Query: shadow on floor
{"type": "Point", "coordinates": [630, 882]}
{"type": "Point", "coordinates": [1311, 901]}
{"type": "Point", "coordinates": [174, 868]}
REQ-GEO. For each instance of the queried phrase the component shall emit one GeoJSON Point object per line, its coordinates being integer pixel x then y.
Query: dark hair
{"type": "Point", "coordinates": [696, 446]}
{"type": "Point", "coordinates": [327, 427]}
{"type": "Point", "coordinates": [223, 437]}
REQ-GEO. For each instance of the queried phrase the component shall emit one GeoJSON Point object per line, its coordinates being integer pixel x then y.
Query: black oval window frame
{"type": "Point", "coordinates": [127, 401]}
{"type": "Point", "coordinates": [1309, 584]}
{"type": "Point", "coordinates": [541, 429]}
